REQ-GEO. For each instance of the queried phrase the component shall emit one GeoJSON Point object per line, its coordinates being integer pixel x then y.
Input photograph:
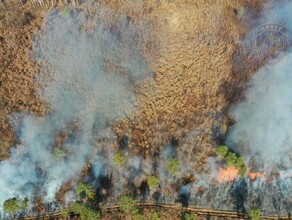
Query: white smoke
{"type": "Point", "coordinates": [264, 120]}
{"type": "Point", "coordinates": [86, 77]}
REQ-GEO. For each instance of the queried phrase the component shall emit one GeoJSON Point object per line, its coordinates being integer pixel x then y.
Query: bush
{"type": "Point", "coordinates": [85, 190]}
{"type": "Point", "coordinates": [189, 216]}
{"type": "Point", "coordinates": [127, 204]}
{"type": "Point", "coordinates": [86, 212]}
{"type": "Point", "coordinates": [222, 151]}
{"type": "Point", "coordinates": [153, 182]}
{"type": "Point", "coordinates": [172, 166]}
{"type": "Point", "coordinates": [14, 205]}
{"type": "Point", "coordinates": [118, 159]}
{"type": "Point", "coordinates": [254, 213]}
{"type": "Point", "coordinates": [155, 216]}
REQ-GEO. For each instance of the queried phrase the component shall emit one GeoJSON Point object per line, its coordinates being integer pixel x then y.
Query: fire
{"type": "Point", "coordinates": [228, 174]}
{"type": "Point", "coordinates": [254, 175]}
{"type": "Point", "coordinates": [231, 173]}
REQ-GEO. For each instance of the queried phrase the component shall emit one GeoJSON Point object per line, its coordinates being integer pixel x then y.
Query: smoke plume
{"type": "Point", "coordinates": [87, 78]}
{"type": "Point", "coordinates": [262, 131]}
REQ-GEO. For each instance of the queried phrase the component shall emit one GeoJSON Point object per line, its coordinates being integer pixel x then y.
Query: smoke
{"type": "Point", "coordinates": [88, 76]}
{"type": "Point", "coordinates": [262, 131]}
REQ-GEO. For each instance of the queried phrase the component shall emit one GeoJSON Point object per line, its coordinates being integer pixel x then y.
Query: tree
{"type": "Point", "coordinates": [86, 212]}
{"type": "Point", "coordinates": [153, 182]}
{"type": "Point", "coordinates": [172, 166]}
{"type": "Point", "coordinates": [242, 171]}
{"type": "Point", "coordinates": [85, 190]}
{"type": "Point", "coordinates": [189, 216]}
{"type": "Point", "coordinates": [128, 204]}
{"type": "Point", "coordinates": [239, 162]}
{"type": "Point", "coordinates": [64, 213]}
{"type": "Point", "coordinates": [14, 205]}
{"type": "Point", "coordinates": [59, 153]}
{"type": "Point", "coordinates": [155, 216]}
{"type": "Point", "coordinates": [118, 159]}
{"type": "Point", "coordinates": [231, 159]}
{"type": "Point", "coordinates": [222, 151]}
{"type": "Point", "coordinates": [254, 213]}
{"type": "Point", "coordinates": [138, 216]}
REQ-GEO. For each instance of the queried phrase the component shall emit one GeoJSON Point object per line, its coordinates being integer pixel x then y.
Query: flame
{"type": "Point", "coordinates": [228, 174]}
{"type": "Point", "coordinates": [231, 173]}
{"type": "Point", "coordinates": [254, 175]}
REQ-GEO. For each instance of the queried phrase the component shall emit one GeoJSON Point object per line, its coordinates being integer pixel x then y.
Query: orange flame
{"type": "Point", "coordinates": [228, 174]}
{"type": "Point", "coordinates": [231, 173]}
{"type": "Point", "coordinates": [254, 175]}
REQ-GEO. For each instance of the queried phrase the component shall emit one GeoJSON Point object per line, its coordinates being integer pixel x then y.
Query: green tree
{"type": "Point", "coordinates": [64, 213]}
{"type": "Point", "coordinates": [153, 182]}
{"type": "Point", "coordinates": [155, 216]}
{"type": "Point", "coordinates": [59, 153]}
{"type": "Point", "coordinates": [254, 213]}
{"type": "Point", "coordinates": [239, 162]}
{"type": "Point", "coordinates": [189, 216]}
{"type": "Point", "coordinates": [138, 216]}
{"type": "Point", "coordinates": [172, 166]}
{"type": "Point", "coordinates": [118, 159]}
{"type": "Point", "coordinates": [85, 190]}
{"type": "Point", "coordinates": [231, 159]}
{"type": "Point", "coordinates": [128, 204]}
{"type": "Point", "coordinates": [85, 212]}
{"type": "Point", "coordinates": [222, 151]}
{"type": "Point", "coordinates": [14, 205]}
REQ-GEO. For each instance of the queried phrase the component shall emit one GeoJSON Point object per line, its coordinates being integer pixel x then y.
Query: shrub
{"type": "Point", "coordinates": [14, 205]}
{"type": "Point", "coordinates": [254, 213]}
{"type": "Point", "coordinates": [189, 216]}
{"type": "Point", "coordinates": [153, 182]}
{"type": "Point", "coordinates": [155, 216]}
{"type": "Point", "coordinates": [172, 166]}
{"type": "Point", "coordinates": [86, 212]}
{"type": "Point", "coordinates": [127, 204]}
{"type": "Point", "coordinates": [85, 190]}
{"type": "Point", "coordinates": [118, 159]}
{"type": "Point", "coordinates": [222, 151]}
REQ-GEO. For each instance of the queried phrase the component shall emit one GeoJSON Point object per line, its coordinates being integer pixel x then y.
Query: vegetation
{"type": "Point", "coordinates": [118, 159]}
{"type": "Point", "coordinates": [84, 190]}
{"type": "Point", "coordinates": [189, 216]}
{"type": "Point", "coordinates": [153, 182]}
{"type": "Point", "coordinates": [66, 11]}
{"type": "Point", "coordinates": [231, 159]}
{"type": "Point", "coordinates": [85, 212]}
{"type": "Point", "coordinates": [127, 204]}
{"type": "Point", "coordinates": [155, 216]}
{"type": "Point", "coordinates": [138, 216]}
{"type": "Point", "coordinates": [13, 205]}
{"type": "Point", "coordinates": [254, 213]}
{"type": "Point", "coordinates": [222, 151]}
{"type": "Point", "coordinates": [64, 213]}
{"type": "Point", "coordinates": [59, 153]}
{"type": "Point", "coordinates": [172, 166]}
